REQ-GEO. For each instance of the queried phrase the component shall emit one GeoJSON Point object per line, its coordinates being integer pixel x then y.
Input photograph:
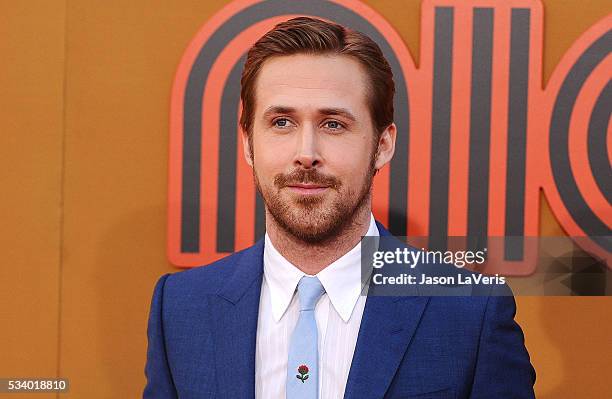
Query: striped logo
{"type": "Point", "coordinates": [478, 135]}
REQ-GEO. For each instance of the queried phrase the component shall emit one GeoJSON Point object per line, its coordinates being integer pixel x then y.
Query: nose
{"type": "Point", "coordinates": [307, 154]}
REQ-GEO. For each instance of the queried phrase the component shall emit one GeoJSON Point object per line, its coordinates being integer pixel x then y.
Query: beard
{"type": "Point", "coordinates": [310, 218]}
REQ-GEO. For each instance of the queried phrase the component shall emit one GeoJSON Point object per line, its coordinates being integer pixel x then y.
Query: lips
{"type": "Point", "coordinates": [307, 186]}
{"type": "Point", "coordinates": [307, 189]}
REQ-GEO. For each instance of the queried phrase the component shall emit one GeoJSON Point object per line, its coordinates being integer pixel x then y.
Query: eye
{"type": "Point", "coordinates": [281, 123]}
{"type": "Point", "coordinates": [333, 125]}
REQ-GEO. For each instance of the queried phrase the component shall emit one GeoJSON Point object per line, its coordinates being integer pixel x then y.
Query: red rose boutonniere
{"type": "Point", "coordinates": [303, 370]}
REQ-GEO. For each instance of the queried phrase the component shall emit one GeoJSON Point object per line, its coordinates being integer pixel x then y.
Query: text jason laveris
{"type": "Point", "coordinates": [459, 279]}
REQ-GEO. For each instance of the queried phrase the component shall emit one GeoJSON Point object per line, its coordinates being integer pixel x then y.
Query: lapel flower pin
{"type": "Point", "coordinates": [303, 370]}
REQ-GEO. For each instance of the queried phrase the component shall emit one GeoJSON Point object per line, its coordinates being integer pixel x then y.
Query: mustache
{"type": "Point", "coordinates": [305, 176]}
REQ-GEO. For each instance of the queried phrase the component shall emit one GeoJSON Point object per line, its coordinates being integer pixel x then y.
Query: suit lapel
{"type": "Point", "coordinates": [387, 327]}
{"type": "Point", "coordinates": [235, 312]}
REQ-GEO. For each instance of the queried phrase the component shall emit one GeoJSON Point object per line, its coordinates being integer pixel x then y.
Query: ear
{"type": "Point", "coordinates": [386, 146]}
{"type": "Point", "coordinates": [246, 148]}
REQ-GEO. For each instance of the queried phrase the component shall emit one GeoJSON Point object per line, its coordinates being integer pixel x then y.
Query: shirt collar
{"type": "Point", "coordinates": [341, 279]}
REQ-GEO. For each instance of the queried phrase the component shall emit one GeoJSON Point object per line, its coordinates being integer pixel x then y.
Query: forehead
{"type": "Point", "coordinates": [312, 81]}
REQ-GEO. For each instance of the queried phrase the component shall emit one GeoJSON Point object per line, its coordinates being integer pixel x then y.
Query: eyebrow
{"type": "Point", "coordinates": [279, 109]}
{"type": "Point", "coordinates": [338, 111]}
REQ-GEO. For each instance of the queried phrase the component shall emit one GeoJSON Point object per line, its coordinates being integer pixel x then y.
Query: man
{"type": "Point", "coordinates": [286, 318]}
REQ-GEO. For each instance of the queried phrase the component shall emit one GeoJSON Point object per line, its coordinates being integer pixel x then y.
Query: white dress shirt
{"type": "Point", "coordinates": [338, 314]}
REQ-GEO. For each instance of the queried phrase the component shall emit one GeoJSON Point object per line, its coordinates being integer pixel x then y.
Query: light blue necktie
{"type": "Point", "coordinates": [303, 367]}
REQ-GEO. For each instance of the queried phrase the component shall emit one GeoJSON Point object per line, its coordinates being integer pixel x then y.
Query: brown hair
{"type": "Point", "coordinates": [305, 35]}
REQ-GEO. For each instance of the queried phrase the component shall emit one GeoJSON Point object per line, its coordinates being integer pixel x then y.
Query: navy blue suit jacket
{"type": "Point", "coordinates": [202, 335]}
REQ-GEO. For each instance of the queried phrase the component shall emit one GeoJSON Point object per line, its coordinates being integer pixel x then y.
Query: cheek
{"type": "Point", "coordinates": [351, 157]}
{"type": "Point", "coordinates": [270, 158]}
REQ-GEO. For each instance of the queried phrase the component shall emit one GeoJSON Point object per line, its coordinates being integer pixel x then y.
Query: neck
{"type": "Point", "coordinates": [312, 258]}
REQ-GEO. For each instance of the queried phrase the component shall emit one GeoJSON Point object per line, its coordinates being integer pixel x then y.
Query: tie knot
{"type": "Point", "coordinates": [310, 290]}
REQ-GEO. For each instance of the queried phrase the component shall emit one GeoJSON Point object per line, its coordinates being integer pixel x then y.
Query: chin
{"type": "Point", "coordinates": [312, 236]}
{"type": "Point", "coordinates": [312, 227]}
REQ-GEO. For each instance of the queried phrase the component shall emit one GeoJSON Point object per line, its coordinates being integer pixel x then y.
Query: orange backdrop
{"type": "Point", "coordinates": [84, 150]}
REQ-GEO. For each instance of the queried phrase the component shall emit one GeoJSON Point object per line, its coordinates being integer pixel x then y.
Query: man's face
{"type": "Point", "coordinates": [313, 143]}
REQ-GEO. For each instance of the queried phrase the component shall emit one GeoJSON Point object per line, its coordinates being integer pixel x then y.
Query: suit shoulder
{"type": "Point", "coordinates": [207, 279]}
{"type": "Point", "coordinates": [492, 299]}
